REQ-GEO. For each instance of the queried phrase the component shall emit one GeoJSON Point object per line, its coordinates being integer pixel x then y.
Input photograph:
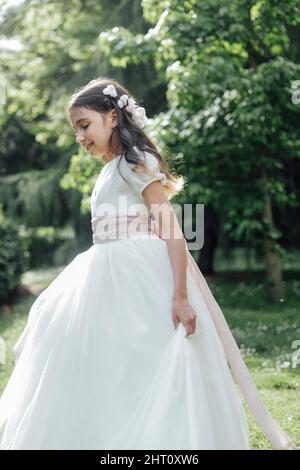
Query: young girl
{"type": "Point", "coordinates": [127, 348]}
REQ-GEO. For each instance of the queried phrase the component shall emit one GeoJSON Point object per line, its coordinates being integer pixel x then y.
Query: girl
{"type": "Point", "coordinates": [127, 348]}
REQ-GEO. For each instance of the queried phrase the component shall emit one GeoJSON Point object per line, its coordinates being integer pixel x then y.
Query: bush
{"type": "Point", "coordinates": [43, 242]}
{"type": "Point", "coordinates": [12, 258]}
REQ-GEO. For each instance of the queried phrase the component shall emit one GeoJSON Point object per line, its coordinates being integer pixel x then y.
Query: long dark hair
{"type": "Point", "coordinates": [131, 136]}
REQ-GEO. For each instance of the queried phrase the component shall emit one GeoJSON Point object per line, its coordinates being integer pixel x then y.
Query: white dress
{"type": "Point", "coordinates": [100, 365]}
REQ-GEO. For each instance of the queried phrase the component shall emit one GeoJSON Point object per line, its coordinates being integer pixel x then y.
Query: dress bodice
{"type": "Point", "coordinates": [114, 195]}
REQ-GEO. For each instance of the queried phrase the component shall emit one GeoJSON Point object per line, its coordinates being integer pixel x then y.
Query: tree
{"type": "Point", "coordinates": [57, 53]}
{"type": "Point", "coordinates": [230, 68]}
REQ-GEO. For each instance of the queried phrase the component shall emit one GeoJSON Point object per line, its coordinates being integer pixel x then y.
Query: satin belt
{"type": "Point", "coordinates": [127, 226]}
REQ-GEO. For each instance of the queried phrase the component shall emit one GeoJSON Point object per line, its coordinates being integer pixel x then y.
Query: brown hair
{"type": "Point", "coordinates": [131, 136]}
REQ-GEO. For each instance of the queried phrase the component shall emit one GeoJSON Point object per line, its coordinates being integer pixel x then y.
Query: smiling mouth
{"type": "Point", "coordinates": [89, 146]}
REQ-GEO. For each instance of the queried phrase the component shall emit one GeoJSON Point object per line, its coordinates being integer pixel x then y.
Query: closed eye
{"type": "Point", "coordinates": [83, 127]}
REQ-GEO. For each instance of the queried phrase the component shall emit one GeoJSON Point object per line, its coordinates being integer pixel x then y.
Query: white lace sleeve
{"type": "Point", "coordinates": [140, 179]}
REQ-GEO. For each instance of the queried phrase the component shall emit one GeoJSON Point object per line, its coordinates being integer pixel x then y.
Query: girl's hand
{"type": "Point", "coordinates": [183, 313]}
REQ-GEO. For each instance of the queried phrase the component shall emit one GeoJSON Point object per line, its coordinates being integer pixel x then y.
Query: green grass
{"type": "Point", "coordinates": [265, 333]}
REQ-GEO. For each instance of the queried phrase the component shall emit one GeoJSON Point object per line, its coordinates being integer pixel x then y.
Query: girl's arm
{"type": "Point", "coordinates": [170, 231]}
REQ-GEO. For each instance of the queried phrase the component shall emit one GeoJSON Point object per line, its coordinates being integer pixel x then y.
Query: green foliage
{"type": "Point", "coordinates": [82, 175]}
{"type": "Point", "coordinates": [231, 117]}
{"type": "Point", "coordinates": [230, 69]}
{"type": "Point", "coordinates": [58, 53]}
{"type": "Point", "coordinates": [34, 197]}
{"type": "Point", "coordinates": [42, 244]}
{"type": "Point", "coordinates": [12, 260]}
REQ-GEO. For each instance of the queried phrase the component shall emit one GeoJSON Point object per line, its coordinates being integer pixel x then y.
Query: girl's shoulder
{"type": "Point", "coordinates": [149, 163]}
{"type": "Point", "coordinates": [141, 175]}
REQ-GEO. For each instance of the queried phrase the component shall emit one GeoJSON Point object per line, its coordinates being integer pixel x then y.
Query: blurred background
{"type": "Point", "coordinates": [220, 82]}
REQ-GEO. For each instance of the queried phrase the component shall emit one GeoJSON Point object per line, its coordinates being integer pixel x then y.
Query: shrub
{"type": "Point", "coordinates": [12, 258]}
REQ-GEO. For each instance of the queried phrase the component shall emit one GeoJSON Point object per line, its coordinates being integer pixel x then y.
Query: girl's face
{"type": "Point", "coordinates": [93, 130]}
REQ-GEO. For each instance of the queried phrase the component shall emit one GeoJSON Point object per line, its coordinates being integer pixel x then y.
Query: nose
{"type": "Point", "coordinates": [79, 138]}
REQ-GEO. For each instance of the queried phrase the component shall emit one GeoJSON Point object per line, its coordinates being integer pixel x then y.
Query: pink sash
{"type": "Point", "coordinates": [276, 435]}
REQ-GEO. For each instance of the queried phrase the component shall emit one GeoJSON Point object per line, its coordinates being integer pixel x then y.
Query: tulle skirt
{"type": "Point", "coordinates": [100, 364]}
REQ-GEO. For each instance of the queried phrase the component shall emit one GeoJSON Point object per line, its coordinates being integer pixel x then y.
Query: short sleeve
{"type": "Point", "coordinates": [140, 179]}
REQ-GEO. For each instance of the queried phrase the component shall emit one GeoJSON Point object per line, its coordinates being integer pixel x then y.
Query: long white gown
{"type": "Point", "coordinates": [100, 364]}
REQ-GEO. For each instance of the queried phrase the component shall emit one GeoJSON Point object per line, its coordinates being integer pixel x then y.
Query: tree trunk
{"type": "Point", "coordinates": [272, 257]}
{"type": "Point", "coordinates": [206, 259]}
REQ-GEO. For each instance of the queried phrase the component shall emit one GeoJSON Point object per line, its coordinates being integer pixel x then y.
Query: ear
{"type": "Point", "coordinates": [114, 117]}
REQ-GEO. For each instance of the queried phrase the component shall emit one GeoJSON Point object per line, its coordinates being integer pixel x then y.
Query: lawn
{"type": "Point", "coordinates": [266, 334]}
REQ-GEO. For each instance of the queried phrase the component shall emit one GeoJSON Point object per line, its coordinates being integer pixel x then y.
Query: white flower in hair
{"type": "Point", "coordinates": [122, 101]}
{"type": "Point", "coordinates": [110, 90]}
{"type": "Point", "coordinates": [140, 116]}
{"type": "Point", "coordinates": [131, 106]}
{"type": "Point", "coordinates": [138, 113]}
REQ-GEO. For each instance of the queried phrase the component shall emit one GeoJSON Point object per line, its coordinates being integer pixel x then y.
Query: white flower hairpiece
{"type": "Point", "coordinates": [138, 112]}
